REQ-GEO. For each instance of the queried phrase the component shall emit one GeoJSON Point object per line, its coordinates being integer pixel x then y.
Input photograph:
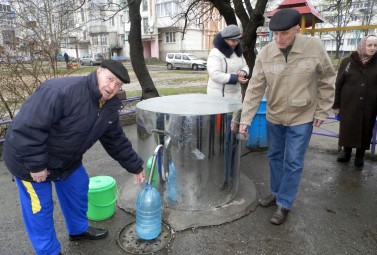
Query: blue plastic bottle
{"type": "Point", "coordinates": [149, 207]}
{"type": "Point", "coordinates": [148, 213]}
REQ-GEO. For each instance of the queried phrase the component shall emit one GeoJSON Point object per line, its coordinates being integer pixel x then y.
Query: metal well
{"type": "Point", "coordinates": [195, 132]}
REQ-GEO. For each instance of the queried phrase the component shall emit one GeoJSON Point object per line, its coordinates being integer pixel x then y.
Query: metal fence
{"type": "Point", "coordinates": [130, 103]}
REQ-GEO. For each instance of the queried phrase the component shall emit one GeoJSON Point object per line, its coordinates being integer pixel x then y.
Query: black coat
{"type": "Point", "coordinates": [356, 97]}
{"type": "Point", "coordinates": [59, 122]}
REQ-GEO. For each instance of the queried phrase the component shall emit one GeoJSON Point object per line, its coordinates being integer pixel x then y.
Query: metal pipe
{"type": "Point", "coordinates": [154, 162]}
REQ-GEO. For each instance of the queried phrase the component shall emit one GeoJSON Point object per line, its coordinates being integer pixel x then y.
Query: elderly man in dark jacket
{"type": "Point", "coordinates": [46, 141]}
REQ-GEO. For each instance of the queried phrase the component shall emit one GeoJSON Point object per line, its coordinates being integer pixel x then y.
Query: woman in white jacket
{"type": "Point", "coordinates": [227, 68]}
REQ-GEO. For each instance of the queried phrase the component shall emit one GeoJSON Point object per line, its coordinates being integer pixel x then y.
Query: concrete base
{"type": "Point", "coordinates": [244, 202]}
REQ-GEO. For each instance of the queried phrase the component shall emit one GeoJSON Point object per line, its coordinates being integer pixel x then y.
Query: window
{"type": "Point", "coordinates": [178, 56]}
{"type": "Point", "coordinates": [170, 37]}
{"type": "Point", "coordinates": [127, 16]}
{"type": "Point", "coordinates": [103, 40]}
{"type": "Point", "coordinates": [65, 42]}
{"type": "Point", "coordinates": [4, 8]}
{"type": "Point", "coordinates": [145, 5]}
{"type": "Point", "coordinates": [167, 9]}
{"type": "Point", "coordinates": [145, 26]}
{"type": "Point", "coordinates": [95, 40]}
{"type": "Point", "coordinates": [82, 15]}
{"type": "Point", "coordinates": [112, 21]}
{"type": "Point", "coordinates": [99, 40]}
{"type": "Point", "coordinates": [185, 57]}
{"type": "Point", "coordinates": [122, 39]}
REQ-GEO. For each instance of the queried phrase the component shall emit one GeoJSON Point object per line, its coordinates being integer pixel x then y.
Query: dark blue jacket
{"type": "Point", "coordinates": [59, 122]}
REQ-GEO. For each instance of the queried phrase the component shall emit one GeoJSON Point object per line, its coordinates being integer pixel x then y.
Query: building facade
{"type": "Point", "coordinates": [103, 26]}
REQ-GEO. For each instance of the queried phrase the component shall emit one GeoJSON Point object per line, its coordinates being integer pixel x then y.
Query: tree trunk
{"type": "Point", "coordinates": [250, 19]}
{"type": "Point", "coordinates": [136, 52]}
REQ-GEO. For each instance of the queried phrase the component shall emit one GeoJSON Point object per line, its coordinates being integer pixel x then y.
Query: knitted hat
{"type": "Point", "coordinates": [231, 32]}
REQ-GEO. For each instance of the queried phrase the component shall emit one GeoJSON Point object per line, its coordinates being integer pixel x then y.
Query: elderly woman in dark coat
{"type": "Point", "coordinates": [356, 100]}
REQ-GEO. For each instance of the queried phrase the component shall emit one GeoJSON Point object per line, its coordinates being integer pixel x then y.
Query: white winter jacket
{"type": "Point", "coordinates": [222, 70]}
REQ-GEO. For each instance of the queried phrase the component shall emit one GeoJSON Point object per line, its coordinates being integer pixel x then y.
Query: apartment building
{"type": "Point", "coordinates": [8, 40]}
{"type": "Point", "coordinates": [99, 27]}
{"type": "Point", "coordinates": [357, 14]}
{"type": "Point", "coordinates": [102, 26]}
{"type": "Point", "coordinates": [164, 30]}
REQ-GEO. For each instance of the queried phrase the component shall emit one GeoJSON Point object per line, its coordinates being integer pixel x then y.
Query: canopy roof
{"type": "Point", "coordinates": [304, 8]}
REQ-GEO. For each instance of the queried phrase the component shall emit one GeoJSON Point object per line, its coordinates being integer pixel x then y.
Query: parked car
{"type": "Point", "coordinates": [184, 60]}
{"type": "Point", "coordinates": [60, 58]}
{"type": "Point", "coordinates": [92, 59]}
{"type": "Point", "coordinates": [119, 58]}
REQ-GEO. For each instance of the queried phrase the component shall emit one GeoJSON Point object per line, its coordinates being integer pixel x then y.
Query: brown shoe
{"type": "Point", "coordinates": [279, 216]}
{"type": "Point", "coordinates": [270, 200]}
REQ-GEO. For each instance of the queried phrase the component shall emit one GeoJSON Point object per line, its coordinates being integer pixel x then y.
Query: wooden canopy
{"type": "Point", "coordinates": [309, 15]}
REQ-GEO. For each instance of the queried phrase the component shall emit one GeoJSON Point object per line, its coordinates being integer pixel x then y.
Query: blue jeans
{"type": "Point", "coordinates": [286, 153]}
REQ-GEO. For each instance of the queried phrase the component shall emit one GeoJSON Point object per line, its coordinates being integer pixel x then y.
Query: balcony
{"type": "Point", "coordinates": [96, 29]}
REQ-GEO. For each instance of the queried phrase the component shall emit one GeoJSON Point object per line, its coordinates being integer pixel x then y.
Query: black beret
{"type": "Point", "coordinates": [231, 32]}
{"type": "Point", "coordinates": [117, 69]}
{"type": "Point", "coordinates": [284, 19]}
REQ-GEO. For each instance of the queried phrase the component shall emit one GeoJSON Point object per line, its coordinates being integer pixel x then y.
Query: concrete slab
{"type": "Point", "coordinates": [244, 202]}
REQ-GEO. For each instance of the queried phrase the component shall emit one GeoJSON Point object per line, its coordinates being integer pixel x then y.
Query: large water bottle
{"type": "Point", "coordinates": [149, 208]}
{"type": "Point", "coordinates": [148, 213]}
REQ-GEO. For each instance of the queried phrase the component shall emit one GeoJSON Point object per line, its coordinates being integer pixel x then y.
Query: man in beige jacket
{"type": "Point", "coordinates": [297, 77]}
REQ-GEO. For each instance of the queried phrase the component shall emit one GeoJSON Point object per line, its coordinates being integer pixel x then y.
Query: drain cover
{"type": "Point", "coordinates": [130, 242]}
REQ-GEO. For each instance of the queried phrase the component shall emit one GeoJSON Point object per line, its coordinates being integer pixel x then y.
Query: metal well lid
{"type": "Point", "coordinates": [190, 104]}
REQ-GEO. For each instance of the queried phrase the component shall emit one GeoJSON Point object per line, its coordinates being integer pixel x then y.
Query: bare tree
{"type": "Point", "coordinates": [136, 52]}
{"type": "Point", "coordinates": [368, 12]}
{"type": "Point", "coordinates": [341, 13]}
{"type": "Point", "coordinates": [30, 47]}
{"type": "Point", "coordinates": [251, 18]}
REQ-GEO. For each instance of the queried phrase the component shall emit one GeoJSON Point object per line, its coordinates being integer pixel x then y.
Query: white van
{"type": "Point", "coordinates": [184, 60]}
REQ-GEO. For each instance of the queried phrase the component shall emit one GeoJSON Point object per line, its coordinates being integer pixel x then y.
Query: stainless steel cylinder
{"type": "Point", "coordinates": [199, 164]}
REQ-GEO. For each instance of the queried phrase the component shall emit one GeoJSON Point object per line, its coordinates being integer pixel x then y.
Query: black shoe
{"type": "Point", "coordinates": [359, 161]}
{"type": "Point", "coordinates": [279, 216]}
{"type": "Point", "coordinates": [270, 200]}
{"type": "Point", "coordinates": [344, 155]}
{"type": "Point", "coordinates": [91, 234]}
{"type": "Point", "coordinates": [359, 158]}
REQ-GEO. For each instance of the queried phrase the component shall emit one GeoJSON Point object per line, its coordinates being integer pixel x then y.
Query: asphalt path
{"type": "Point", "coordinates": [334, 213]}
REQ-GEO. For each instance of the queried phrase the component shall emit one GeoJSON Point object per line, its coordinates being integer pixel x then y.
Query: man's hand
{"type": "Point", "coordinates": [243, 129]}
{"type": "Point", "coordinates": [317, 123]}
{"type": "Point", "coordinates": [139, 178]}
{"type": "Point", "coordinates": [234, 127]}
{"type": "Point", "coordinates": [40, 176]}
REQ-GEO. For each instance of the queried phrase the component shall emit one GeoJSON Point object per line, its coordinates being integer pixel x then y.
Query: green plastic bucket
{"type": "Point", "coordinates": [102, 196]}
